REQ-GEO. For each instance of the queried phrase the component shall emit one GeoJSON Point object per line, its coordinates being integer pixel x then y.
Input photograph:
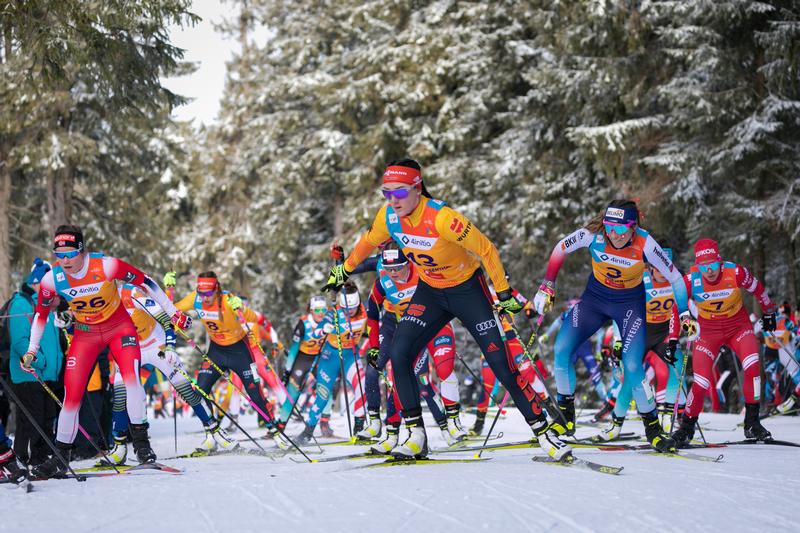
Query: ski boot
{"type": "Point", "coordinates": [325, 427]}
{"type": "Point", "coordinates": [611, 432]}
{"type": "Point", "coordinates": [387, 444]}
{"type": "Point", "coordinates": [752, 425]}
{"type": "Point", "coordinates": [54, 467]}
{"type": "Point", "coordinates": [564, 423]}
{"type": "Point", "coordinates": [119, 453]}
{"type": "Point", "coordinates": [604, 411]}
{"type": "Point", "coordinates": [373, 430]}
{"type": "Point", "coordinates": [220, 437]}
{"type": "Point", "coordinates": [141, 443]}
{"type": "Point", "coordinates": [659, 440]}
{"type": "Point", "coordinates": [416, 445]}
{"type": "Point", "coordinates": [788, 404]}
{"type": "Point", "coordinates": [358, 425]}
{"type": "Point", "coordinates": [549, 441]}
{"type": "Point", "coordinates": [9, 464]}
{"type": "Point", "coordinates": [305, 436]}
{"type": "Point", "coordinates": [685, 433]}
{"type": "Point", "coordinates": [457, 432]}
{"type": "Point", "coordinates": [477, 427]}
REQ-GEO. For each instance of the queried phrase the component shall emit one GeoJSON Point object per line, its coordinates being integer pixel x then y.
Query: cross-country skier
{"type": "Point", "coordinates": [343, 325]}
{"type": "Point", "coordinates": [663, 356]}
{"type": "Point", "coordinates": [218, 310]}
{"type": "Point", "coordinates": [618, 249]}
{"type": "Point", "coordinates": [715, 287]}
{"type": "Point", "coordinates": [448, 249]}
{"type": "Point", "coordinates": [86, 281]}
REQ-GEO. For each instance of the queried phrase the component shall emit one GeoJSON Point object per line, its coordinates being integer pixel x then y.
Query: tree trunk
{"type": "Point", "coordinates": [59, 197]}
{"type": "Point", "coordinates": [5, 225]}
{"type": "Point", "coordinates": [791, 263]}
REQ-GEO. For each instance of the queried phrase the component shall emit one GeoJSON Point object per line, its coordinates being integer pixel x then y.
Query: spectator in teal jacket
{"type": "Point", "coordinates": [28, 444]}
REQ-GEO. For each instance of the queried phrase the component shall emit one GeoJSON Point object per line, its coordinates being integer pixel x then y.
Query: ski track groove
{"type": "Point", "coordinates": [442, 516]}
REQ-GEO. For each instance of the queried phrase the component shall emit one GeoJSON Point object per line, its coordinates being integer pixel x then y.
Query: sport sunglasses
{"type": "Point", "coordinates": [67, 255]}
{"type": "Point", "coordinates": [206, 294]}
{"type": "Point", "coordinates": [709, 267]}
{"type": "Point", "coordinates": [619, 229]}
{"type": "Point", "coordinates": [400, 194]}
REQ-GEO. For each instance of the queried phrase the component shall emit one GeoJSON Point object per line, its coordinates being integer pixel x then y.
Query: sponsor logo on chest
{"type": "Point", "coordinates": [208, 315]}
{"type": "Point", "coordinates": [660, 293]}
{"type": "Point", "coordinates": [716, 295]}
{"type": "Point", "coordinates": [415, 241]}
{"type": "Point", "coordinates": [84, 290]}
{"type": "Point", "coordinates": [617, 260]}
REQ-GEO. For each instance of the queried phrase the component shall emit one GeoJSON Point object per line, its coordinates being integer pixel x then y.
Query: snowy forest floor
{"type": "Point", "coordinates": [753, 488]}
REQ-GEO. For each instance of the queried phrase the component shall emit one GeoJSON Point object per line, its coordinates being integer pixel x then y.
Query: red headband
{"type": "Point", "coordinates": [706, 251]}
{"type": "Point", "coordinates": [398, 174]}
{"type": "Point", "coordinates": [206, 284]}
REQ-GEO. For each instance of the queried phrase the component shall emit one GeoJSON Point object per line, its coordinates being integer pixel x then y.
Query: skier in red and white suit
{"type": "Point", "coordinates": [715, 288]}
{"type": "Point", "coordinates": [86, 281]}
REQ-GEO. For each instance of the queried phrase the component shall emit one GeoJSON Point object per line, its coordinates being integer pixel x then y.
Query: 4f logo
{"type": "Point", "coordinates": [457, 226]}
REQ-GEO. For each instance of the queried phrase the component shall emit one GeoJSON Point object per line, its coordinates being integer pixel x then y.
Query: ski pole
{"type": "Point", "coordinates": [267, 417]}
{"type": "Point", "coordinates": [494, 422]}
{"type": "Point", "coordinates": [83, 431]}
{"type": "Point", "coordinates": [47, 440]}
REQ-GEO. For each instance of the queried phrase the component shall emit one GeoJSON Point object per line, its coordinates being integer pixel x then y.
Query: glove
{"type": "Point", "coordinates": [327, 328]}
{"type": "Point", "coordinates": [769, 322]}
{"type": "Point", "coordinates": [181, 320]}
{"type": "Point", "coordinates": [336, 278]}
{"type": "Point", "coordinates": [544, 338]}
{"type": "Point", "coordinates": [281, 347]}
{"type": "Point", "coordinates": [372, 357]}
{"type": "Point", "coordinates": [670, 354]}
{"type": "Point", "coordinates": [689, 326]}
{"type": "Point", "coordinates": [27, 360]}
{"type": "Point", "coordinates": [616, 351]}
{"type": "Point", "coordinates": [508, 303]}
{"type": "Point", "coordinates": [234, 302]}
{"type": "Point", "coordinates": [63, 320]}
{"type": "Point", "coordinates": [543, 300]}
{"type": "Point", "coordinates": [170, 279]}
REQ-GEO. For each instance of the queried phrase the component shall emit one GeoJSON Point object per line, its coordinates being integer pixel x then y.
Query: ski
{"type": "Point", "coordinates": [425, 461]}
{"type": "Point", "coordinates": [772, 442]}
{"type": "Point", "coordinates": [595, 439]}
{"type": "Point", "coordinates": [579, 463]}
{"type": "Point", "coordinates": [684, 455]}
{"type": "Point", "coordinates": [478, 438]}
{"type": "Point", "coordinates": [348, 457]}
{"type": "Point", "coordinates": [103, 466]}
{"type": "Point", "coordinates": [531, 443]}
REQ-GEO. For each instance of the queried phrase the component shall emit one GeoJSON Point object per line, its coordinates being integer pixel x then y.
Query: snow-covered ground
{"type": "Point", "coordinates": [753, 488]}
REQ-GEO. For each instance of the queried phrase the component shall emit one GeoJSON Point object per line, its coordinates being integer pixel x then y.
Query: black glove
{"type": "Point", "coordinates": [372, 357]}
{"type": "Point", "coordinates": [669, 354]}
{"type": "Point", "coordinates": [769, 322]}
{"type": "Point", "coordinates": [508, 303]}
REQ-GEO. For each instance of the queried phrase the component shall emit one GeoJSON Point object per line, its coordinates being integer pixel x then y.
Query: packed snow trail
{"type": "Point", "coordinates": [754, 487]}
